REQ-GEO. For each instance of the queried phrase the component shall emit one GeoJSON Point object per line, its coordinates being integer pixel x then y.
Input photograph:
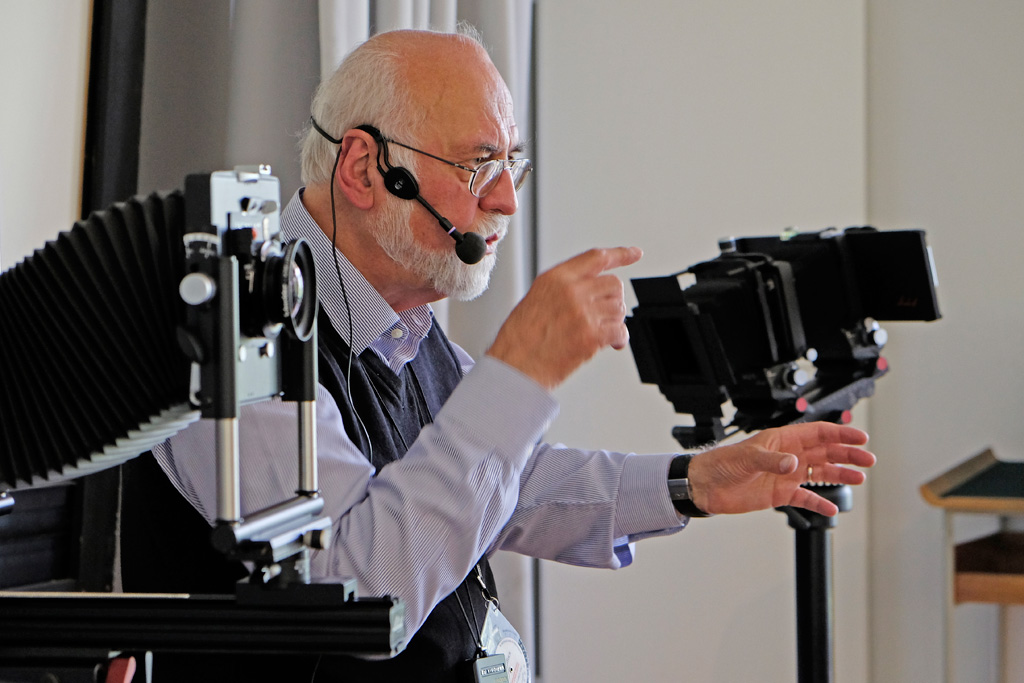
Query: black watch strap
{"type": "Point", "coordinates": [679, 487]}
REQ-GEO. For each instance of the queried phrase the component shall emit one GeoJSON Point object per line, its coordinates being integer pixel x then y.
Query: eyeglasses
{"type": "Point", "coordinates": [485, 176]}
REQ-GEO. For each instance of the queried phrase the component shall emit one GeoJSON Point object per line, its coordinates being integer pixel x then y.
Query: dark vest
{"type": "Point", "coordinates": [393, 409]}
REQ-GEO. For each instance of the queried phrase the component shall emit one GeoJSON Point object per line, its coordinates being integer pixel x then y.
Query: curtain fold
{"type": "Point", "coordinates": [226, 83]}
{"type": "Point", "coordinates": [343, 25]}
{"type": "Point", "coordinates": [272, 78]}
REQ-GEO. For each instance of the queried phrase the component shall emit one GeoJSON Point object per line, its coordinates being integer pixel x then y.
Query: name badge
{"type": "Point", "coordinates": [491, 669]}
{"type": "Point", "coordinates": [501, 638]}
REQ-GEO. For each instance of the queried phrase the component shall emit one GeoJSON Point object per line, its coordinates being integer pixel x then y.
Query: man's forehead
{"type": "Point", "coordinates": [466, 100]}
{"type": "Point", "coordinates": [479, 134]}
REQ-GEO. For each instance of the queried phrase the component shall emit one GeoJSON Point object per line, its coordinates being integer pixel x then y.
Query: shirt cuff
{"type": "Point", "coordinates": [644, 502]}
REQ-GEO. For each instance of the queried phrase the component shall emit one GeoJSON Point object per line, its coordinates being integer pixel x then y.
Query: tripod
{"type": "Point", "coordinates": [814, 584]}
{"type": "Point", "coordinates": [827, 401]}
{"type": "Point", "coordinates": [814, 616]}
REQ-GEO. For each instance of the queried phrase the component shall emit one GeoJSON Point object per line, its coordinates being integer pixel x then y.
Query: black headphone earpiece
{"type": "Point", "coordinates": [397, 179]}
{"type": "Point", "coordinates": [400, 182]}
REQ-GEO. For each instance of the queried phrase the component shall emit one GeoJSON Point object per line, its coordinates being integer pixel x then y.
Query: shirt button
{"type": "Point", "coordinates": [396, 333]}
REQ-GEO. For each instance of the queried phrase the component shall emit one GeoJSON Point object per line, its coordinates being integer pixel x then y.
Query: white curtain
{"type": "Point", "coordinates": [506, 27]}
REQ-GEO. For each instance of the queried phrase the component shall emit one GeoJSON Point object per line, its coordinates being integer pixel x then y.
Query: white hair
{"type": "Point", "coordinates": [366, 88]}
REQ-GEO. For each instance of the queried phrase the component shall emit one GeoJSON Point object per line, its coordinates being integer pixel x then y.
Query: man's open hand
{"type": "Point", "coordinates": [767, 469]}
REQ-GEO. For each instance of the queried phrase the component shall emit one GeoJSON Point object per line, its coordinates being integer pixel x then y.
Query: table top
{"type": "Point", "coordinates": [982, 483]}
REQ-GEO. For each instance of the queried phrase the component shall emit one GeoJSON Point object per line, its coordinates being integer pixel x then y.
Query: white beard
{"type": "Point", "coordinates": [448, 275]}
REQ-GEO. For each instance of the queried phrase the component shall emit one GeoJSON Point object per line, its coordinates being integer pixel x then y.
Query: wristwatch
{"type": "Point", "coordinates": [679, 487]}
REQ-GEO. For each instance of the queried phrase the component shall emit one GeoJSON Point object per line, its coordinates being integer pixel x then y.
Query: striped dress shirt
{"type": "Point", "coordinates": [478, 479]}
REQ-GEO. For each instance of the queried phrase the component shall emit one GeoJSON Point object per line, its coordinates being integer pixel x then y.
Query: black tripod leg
{"type": "Point", "coordinates": [814, 604]}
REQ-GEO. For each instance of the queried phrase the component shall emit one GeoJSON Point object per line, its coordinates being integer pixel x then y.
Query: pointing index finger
{"type": "Point", "coordinates": [598, 260]}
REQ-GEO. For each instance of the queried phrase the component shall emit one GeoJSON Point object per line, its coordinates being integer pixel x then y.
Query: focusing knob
{"type": "Point", "coordinates": [795, 376]}
{"type": "Point", "coordinates": [876, 334]}
{"type": "Point", "coordinates": [317, 539]}
{"type": "Point", "coordinates": [197, 288]}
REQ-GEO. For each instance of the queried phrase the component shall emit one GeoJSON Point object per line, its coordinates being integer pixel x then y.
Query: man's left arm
{"type": "Point", "coordinates": [584, 507]}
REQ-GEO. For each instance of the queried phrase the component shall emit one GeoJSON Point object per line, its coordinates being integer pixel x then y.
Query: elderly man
{"type": "Point", "coordinates": [430, 462]}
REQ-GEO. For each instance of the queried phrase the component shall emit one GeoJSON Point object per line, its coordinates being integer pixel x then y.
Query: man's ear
{"type": "Point", "coordinates": [356, 168]}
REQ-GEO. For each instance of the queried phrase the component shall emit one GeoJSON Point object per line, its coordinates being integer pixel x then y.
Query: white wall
{"type": "Point", "coordinates": [668, 125]}
{"type": "Point", "coordinates": [946, 133]}
{"type": "Point", "coordinates": [44, 47]}
{"type": "Point", "coordinates": [689, 121]}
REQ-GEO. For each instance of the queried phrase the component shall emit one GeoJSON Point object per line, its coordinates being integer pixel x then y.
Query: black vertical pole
{"type": "Point", "coordinates": [814, 601]}
{"type": "Point", "coordinates": [114, 109]}
{"type": "Point", "coordinates": [110, 174]}
{"type": "Point", "coordinates": [814, 607]}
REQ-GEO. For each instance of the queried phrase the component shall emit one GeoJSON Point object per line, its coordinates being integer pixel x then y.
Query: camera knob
{"type": "Point", "coordinates": [876, 333]}
{"type": "Point", "coordinates": [317, 539]}
{"type": "Point", "coordinates": [197, 288]}
{"type": "Point", "coordinates": [798, 377]}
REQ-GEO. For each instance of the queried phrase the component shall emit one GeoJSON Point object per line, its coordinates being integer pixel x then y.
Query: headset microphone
{"type": "Point", "coordinates": [469, 247]}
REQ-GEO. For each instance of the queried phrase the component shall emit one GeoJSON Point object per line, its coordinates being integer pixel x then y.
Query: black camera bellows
{"type": "Point", "coordinates": [90, 371]}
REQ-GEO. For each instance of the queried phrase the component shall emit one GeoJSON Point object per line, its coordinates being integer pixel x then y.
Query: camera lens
{"type": "Point", "coordinates": [293, 278]}
{"type": "Point", "coordinates": [278, 289]}
{"type": "Point", "coordinates": [296, 290]}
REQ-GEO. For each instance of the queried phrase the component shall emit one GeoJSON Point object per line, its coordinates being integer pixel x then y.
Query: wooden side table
{"type": "Point", "coordinates": [988, 569]}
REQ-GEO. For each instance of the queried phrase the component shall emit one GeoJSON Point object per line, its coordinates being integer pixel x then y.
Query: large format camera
{"type": "Point", "coordinates": [180, 305]}
{"type": "Point", "coordinates": [785, 327]}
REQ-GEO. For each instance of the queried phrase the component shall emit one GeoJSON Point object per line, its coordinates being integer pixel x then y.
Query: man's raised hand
{"type": "Point", "coordinates": [571, 312]}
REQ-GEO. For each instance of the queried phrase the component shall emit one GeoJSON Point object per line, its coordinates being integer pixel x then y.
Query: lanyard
{"type": "Point", "coordinates": [474, 627]}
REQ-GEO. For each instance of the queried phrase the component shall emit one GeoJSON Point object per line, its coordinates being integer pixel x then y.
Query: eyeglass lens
{"type": "Point", "coordinates": [489, 172]}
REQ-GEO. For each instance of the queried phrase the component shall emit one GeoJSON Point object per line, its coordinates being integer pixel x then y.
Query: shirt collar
{"type": "Point", "coordinates": [371, 316]}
